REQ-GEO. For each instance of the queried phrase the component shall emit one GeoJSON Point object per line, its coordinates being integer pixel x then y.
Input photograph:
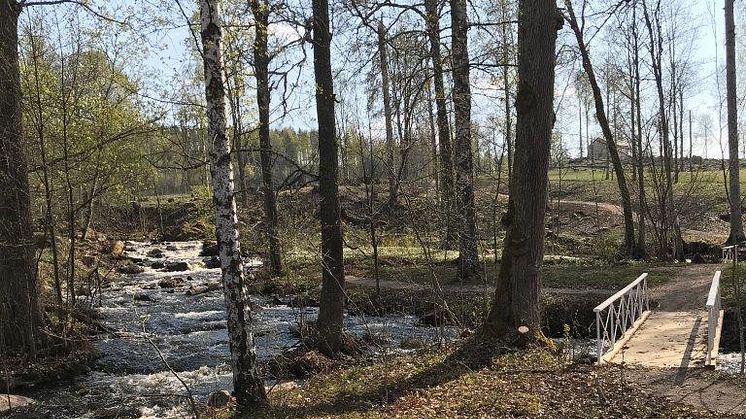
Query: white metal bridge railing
{"type": "Point", "coordinates": [730, 253]}
{"type": "Point", "coordinates": [619, 312]}
{"type": "Point", "coordinates": [713, 317]}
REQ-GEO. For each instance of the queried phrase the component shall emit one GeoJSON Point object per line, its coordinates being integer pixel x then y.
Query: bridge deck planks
{"type": "Point", "coordinates": [668, 339]}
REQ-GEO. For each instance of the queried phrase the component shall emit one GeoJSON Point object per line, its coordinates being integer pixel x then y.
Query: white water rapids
{"type": "Point", "coordinates": [129, 378]}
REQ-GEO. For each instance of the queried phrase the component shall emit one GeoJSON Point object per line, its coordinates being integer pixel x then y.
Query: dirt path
{"type": "Point", "coordinates": [722, 396]}
{"type": "Point", "coordinates": [687, 289]}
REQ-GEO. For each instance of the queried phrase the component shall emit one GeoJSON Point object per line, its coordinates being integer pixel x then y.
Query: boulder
{"type": "Point", "coordinates": [169, 282]}
{"type": "Point", "coordinates": [436, 317]}
{"type": "Point", "coordinates": [150, 285]}
{"type": "Point", "coordinates": [209, 248]}
{"type": "Point", "coordinates": [171, 248]}
{"type": "Point", "coordinates": [177, 267]}
{"type": "Point", "coordinates": [201, 289]}
{"type": "Point", "coordinates": [158, 265]}
{"type": "Point", "coordinates": [212, 262]}
{"type": "Point", "coordinates": [10, 401]}
{"type": "Point", "coordinates": [412, 343]}
{"type": "Point", "coordinates": [155, 253]}
{"type": "Point", "coordinates": [130, 269]}
{"type": "Point", "coordinates": [115, 248]}
{"type": "Point", "coordinates": [219, 398]}
{"type": "Point", "coordinates": [140, 296]}
{"type": "Point", "coordinates": [300, 301]}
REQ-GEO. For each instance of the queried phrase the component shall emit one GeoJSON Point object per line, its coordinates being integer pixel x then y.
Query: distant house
{"type": "Point", "coordinates": [597, 150]}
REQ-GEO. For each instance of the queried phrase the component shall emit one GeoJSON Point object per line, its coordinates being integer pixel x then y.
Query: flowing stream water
{"type": "Point", "coordinates": [151, 324]}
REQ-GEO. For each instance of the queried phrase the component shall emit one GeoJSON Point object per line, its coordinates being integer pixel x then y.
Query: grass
{"type": "Point", "coordinates": [580, 274]}
{"type": "Point", "coordinates": [479, 379]}
{"type": "Point", "coordinates": [468, 307]}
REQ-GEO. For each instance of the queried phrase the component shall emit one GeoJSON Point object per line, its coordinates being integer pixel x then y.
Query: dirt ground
{"type": "Point", "coordinates": [688, 288]}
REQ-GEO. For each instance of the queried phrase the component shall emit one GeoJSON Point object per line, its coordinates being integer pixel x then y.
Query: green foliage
{"type": "Point", "coordinates": [606, 245]}
{"type": "Point", "coordinates": [86, 131]}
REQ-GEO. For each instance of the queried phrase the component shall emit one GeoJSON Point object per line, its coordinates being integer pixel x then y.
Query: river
{"type": "Point", "coordinates": [150, 324]}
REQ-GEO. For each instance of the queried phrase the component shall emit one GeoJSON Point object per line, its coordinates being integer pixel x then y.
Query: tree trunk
{"type": "Point", "coordinates": [50, 229]}
{"type": "Point", "coordinates": [629, 226]}
{"type": "Point", "coordinates": [433, 139]}
{"type": "Point", "coordinates": [260, 9]}
{"type": "Point", "coordinates": [667, 202]}
{"type": "Point", "coordinates": [444, 132]}
{"type": "Point", "coordinates": [89, 203]}
{"type": "Point", "coordinates": [331, 311]}
{"type": "Point", "coordinates": [247, 384]}
{"type": "Point", "coordinates": [690, 144]}
{"type": "Point", "coordinates": [383, 56]}
{"type": "Point", "coordinates": [20, 314]}
{"type": "Point", "coordinates": [516, 301]}
{"type": "Point", "coordinates": [736, 223]}
{"type": "Point", "coordinates": [468, 254]}
{"type": "Point", "coordinates": [681, 128]}
{"type": "Point", "coordinates": [507, 34]}
{"type": "Point", "coordinates": [640, 163]}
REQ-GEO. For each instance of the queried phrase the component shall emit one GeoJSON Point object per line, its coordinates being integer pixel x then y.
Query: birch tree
{"type": "Point", "coordinates": [247, 385]}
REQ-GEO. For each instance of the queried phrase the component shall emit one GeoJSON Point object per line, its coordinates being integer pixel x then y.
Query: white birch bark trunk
{"type": "Point", "coordinates": [247, 385]}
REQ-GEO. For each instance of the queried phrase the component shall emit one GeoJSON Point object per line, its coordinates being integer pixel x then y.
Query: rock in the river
{"type": "Point", "coordinates": [219, 398]}
{"type": "Point", "coordinates": [171, 248]}
{"type": "Point", "coordinates": [211, 262]}
{"type": "Point", "coordinates": [412, 343]}
{"type": "Point", "coordinates": [150, 285]}
{"type": "Point", "coordinates": [115, 247]}
{"type": "Point", "coordinates": [169, 282]}
{"type": "Point", "coordinates": [300, 301]}
{"type": "Point", "coordinates": [177, 267]}
{"type": "Point", "coordinates": [155, 253]}
{"type": "Point", "coordinates": [201, 289]}
{"type": "Point", "coordinates": [436, 317]}
{"type": "Point", "coordinates": [209, 248]}
{"type": "Point", "coordinates": [158, 265]}
{"type": "Point", "coordinates": [142, 297]}
{"type": "Point", "coordinates": [130, 269]}
{"type": "Point", "coordinates": [10, 401]}
{"type": "Point", "coordinates": [117, 412]}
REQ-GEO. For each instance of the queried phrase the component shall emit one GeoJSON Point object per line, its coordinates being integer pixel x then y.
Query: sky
{"type": "Point", "coordinates": [166, 57]}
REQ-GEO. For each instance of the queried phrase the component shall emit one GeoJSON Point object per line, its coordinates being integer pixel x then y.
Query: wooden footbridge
{"type": "Point", "coordinates": [674, 335]}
